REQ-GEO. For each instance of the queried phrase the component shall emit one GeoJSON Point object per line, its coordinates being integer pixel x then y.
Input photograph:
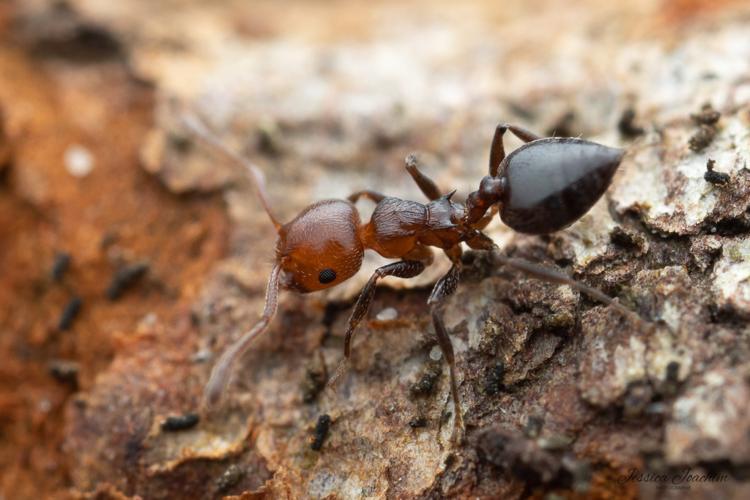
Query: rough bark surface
{"type": "Point", "coordinates": [560, 394]}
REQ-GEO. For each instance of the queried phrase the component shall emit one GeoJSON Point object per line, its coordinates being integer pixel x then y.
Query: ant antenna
{"type": "Point", "coordinates": [200, 131]}
{"type": "Point", "coordinates": [222, 370]}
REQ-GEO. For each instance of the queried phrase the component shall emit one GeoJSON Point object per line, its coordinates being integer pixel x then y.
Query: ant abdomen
{"type": "Point", "coordinates": [550, 183]}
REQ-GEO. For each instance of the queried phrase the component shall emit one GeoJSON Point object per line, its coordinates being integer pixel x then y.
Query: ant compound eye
{"type": "Point", "coordinates": [327, 275]}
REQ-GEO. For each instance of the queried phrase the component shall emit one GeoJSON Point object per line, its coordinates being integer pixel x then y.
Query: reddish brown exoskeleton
{"type": "Point", "coordinates": [541, 187]}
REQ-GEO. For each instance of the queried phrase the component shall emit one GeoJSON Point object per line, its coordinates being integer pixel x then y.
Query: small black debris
{"type": "Point", "coordinates": [315, 380]}
{"type": "Point", "coordinates": [124, 278]}
{"type": "Point", "coordinates": [180, 422]}
{"type": "Point", "coordinates": [60, 265]}
{"type": "Point", "coordinates": [706, 119]}
{"type": "Point", "coordinates": [702, 138]}
{"type": "Point", "coordinates": [673, 371]}
{"type": "Point", "coordinates": [565, 126]}
{"type": "Point", "coordinates": [71, 310]}
{"type": "Point", "coordinates": [494, 379]}
{"type": "Point", "coordinates": [626, 125]}
{"type": "Point", "coordinates": [534, 425]}
{"type": "Point", "coordinates": [65, 372]}
{"type": "Point", "coordinates": [671, 378]}
{"type": "Point", "coordinates": [427, 382]}
{"type": "Point", "coordinates": [714, 177]}
{"type": "Point", "coordinates": [321, 431]}
{"type": "Point", "coordinates": [510, 451]}
{"type": "Point", "coordinates": [229, 478]}
{"type": "Point", "coordinates": [637, 399]}
{"type": "Point", "coordinates": [417, 422]}
{"type": "Point", "coordinates": [707, 115]}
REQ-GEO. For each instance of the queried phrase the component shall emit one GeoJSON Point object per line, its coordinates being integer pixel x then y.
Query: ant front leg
{"type": "Point", "coordinates": [442, 289]}
{"type": "Point", "coordinates": [426, 185]}
{"type": "Point", "coordinates": [497, 150]}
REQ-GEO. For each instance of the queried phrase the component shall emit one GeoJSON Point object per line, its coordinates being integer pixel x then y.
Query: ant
{"type": "Point", "coordinates": [541, 187]}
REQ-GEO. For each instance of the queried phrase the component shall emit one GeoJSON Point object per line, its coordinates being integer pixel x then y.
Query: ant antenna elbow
{"type": "Point", "coordinates": [222, 370]}
{"type": "Point", "coordinates": [200, 131]}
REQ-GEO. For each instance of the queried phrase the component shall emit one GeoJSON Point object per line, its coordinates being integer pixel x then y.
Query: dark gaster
{"type": "Point", "coordinates": [551, 183]}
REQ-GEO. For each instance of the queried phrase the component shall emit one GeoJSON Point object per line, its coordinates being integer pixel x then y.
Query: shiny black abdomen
{"type": "Point", "coordinates": [551, 183]}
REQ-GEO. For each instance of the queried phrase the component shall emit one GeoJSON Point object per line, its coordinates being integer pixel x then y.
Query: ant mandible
{"type": "Point", "coordinates": [541, 187]}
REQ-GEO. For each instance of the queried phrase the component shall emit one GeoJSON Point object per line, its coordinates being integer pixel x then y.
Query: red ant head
{"type": "Point", "coordinates": [321, 247]}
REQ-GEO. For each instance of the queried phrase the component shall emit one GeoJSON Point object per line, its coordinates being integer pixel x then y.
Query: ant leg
{"type": "Point", "coordinates": [200, 131]}
{"type": "Point", "coordinates": [485, 221]}
{"type": "Point", "coordinates": [222, 370]}
{"type": "Point", "coordinates": [522, 133]}
{"type": "Point", "coordinates": [442, 289]}
{"type": "Point", "coordinates": [426, 185]}
{"type": "Point", "coordinates": [552, 276]}
{"type": "Point", "coordinates": [482, 242]}
{"type": "Point", "coordinates": [371, 195]}
{"type": "Point", "coordinates": [401, 269]}
{"type": "Point", "coordinates": [415, 262]}
{"type": "Point", "coordinates": [497, 150]}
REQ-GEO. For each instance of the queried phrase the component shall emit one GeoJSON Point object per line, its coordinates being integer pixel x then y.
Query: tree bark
{"type": "Point", "coordinates": [560, 394]}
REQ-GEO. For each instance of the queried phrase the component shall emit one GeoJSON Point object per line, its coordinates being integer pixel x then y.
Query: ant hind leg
{"type": "Point", "coordinates": [426, 185]}
{"type": "Point", "coordinates": [551, 276]}
{"type": "Point", "coordinates": [483, 242]}
{"type": "Point", "coordinates": [497, 150]}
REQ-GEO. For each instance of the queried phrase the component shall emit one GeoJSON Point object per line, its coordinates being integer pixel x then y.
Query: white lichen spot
{"type": "Point", "coordinates": [731, 277]}
{"type": "Point", "coordinates": [435, 353]}
{"type": "Point", "coordinates": [590, 235]}
{"type": "Point", "coordinates": [387, 314]}
{"type": "Point", "coordinates": [672, 315]}
{"type": "Point", "coordinates": [641, 185]}
{"type": "Point", "coordinates": [629, 363]}
{"type": "Point", "coordinates": [662, 352]}
{"type": "Point", "coordinates": [713, 412]}
{"type": "Point", "coordinates": [79, 162]}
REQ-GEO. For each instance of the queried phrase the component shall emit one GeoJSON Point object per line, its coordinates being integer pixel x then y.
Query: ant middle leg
{"type": "Point", "coordinates": [413, 264]}
{"type": "Point", "coordinates": [401, 269]}
{"type": "Point", "coordinates": [497, 150]}
{"type": "Point", "coordinates": [442, 289]}
{"type": "Point", "coordinates": [426, 185]}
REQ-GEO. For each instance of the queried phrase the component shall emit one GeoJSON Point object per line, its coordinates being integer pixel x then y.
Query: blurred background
{"type": "Point", "coordinates": [120, 243]}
